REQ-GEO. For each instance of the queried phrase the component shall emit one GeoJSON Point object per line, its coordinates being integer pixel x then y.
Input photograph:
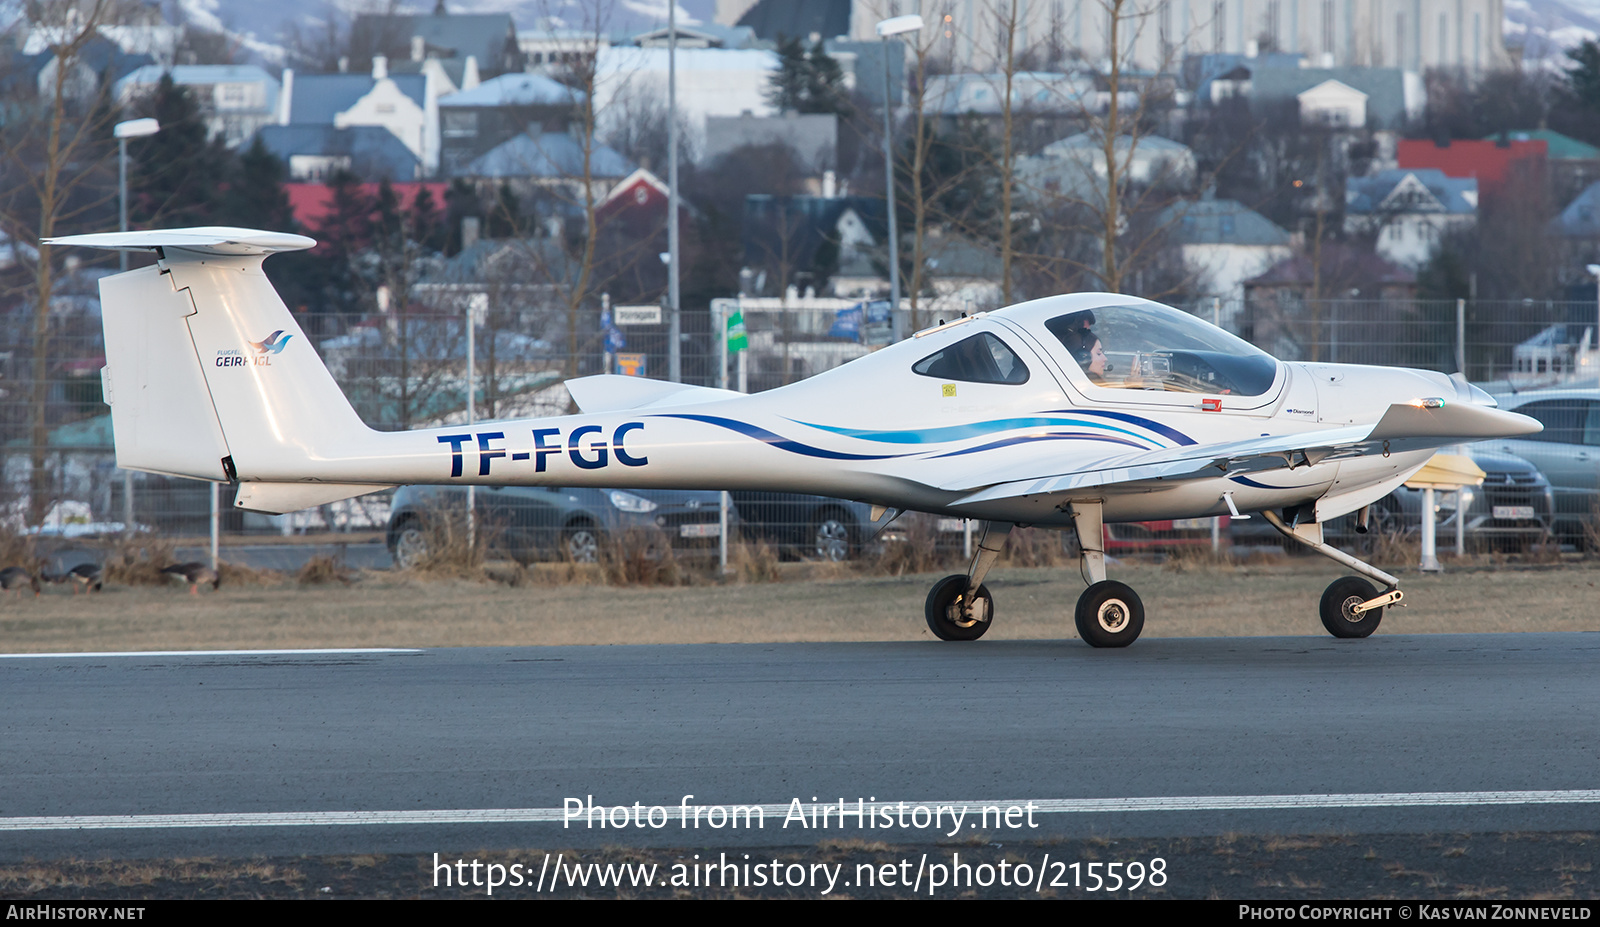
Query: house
{"type": "Point", "coordinates": [630, 81]}
{"type": "Point", "coordinates": [1408, 212]}
{"type": "Point", "coordinates": [472, 122]}
{"type": "Point", "coordinates": [313, 202]}
{"type": "Point", "coordinates": [1580, 220]}
{"type": "Point", "coordinates": [550, 163]}
{"type": "Point", "coordinates": [774, 19]}
{"type": "Point", "coordinates": [699, 35]}
{"type": "Point", "coordinates": [1383, 98]}
{"type": "Point", "coordinates": [404, 104]}
{"type": "Point", "coordinates": [99, 64]}
{"type": "Point", "coordinates": [1335, 303]}
{"type": "Point", "coordinates": [1049, 104]}
{"type": "Point", "coordinates": [804, 241]}
{"type": "Point", "coordinates": [1075, 167]}
{"type": "Point", "coordinates": [813, 137]}
{"type": "Point", "coordinates": [489, 39]}
{"type": "Point", "coordinates": [1333, 103]}
{"type": "Point", "coordinates": [234, 99]}
{"type": "Point", "coordinates": [1572, 164]}
{"type": "Point", "coordinates": [1496, 165]}
{"type": "Point", "coordinates": [1224, 243]}
{"type": "Point", "coordinates": [315, 152]}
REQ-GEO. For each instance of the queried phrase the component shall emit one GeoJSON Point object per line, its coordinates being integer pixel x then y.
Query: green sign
{"type": "Point", "coordinates": [737, 341]}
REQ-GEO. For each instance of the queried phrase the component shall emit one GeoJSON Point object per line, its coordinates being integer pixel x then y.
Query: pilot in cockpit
{"type": "Point", "coordinates": [1074, 331]}
{"type": "Point", "coordinates": [1085, 348]}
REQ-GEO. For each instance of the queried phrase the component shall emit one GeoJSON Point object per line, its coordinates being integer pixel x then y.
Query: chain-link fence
{"type": "Point", "coordinates": [409, 370]}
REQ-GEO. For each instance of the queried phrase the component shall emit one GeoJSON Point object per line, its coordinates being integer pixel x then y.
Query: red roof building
{"type": "Point", "coordinates": [312, 202]}
{"type": "Point", "coordinates": [1492, 162]}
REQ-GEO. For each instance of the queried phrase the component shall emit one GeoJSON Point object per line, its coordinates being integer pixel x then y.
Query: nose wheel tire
{"type": "Point", "coordinates": [948, 620]}
{"type": "Point", "coordinates": [1339, 598]}
{"type": "Point", "coordinates": [1109, 615]}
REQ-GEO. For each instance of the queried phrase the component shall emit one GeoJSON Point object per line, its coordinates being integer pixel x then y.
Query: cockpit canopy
{"type": "Point", "coordinates": [1152, 347]}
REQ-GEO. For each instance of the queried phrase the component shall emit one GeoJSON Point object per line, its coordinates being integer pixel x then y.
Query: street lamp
{"type": "Point", "coordinates": [138, 128]}
{"type": "Point", "coordinates": [133, 128]}
{"type": "Point", "coordinates": [1595, 269]}
{"type": "Point", "coordinates": [894, 26]}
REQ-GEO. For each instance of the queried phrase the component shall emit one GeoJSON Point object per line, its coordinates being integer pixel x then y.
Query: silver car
{"type": "Point", "coordinates": [1567, 452]}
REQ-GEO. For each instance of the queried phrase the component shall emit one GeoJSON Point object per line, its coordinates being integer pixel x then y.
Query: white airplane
{"type": "Point", "coordinates": [1065, 412]}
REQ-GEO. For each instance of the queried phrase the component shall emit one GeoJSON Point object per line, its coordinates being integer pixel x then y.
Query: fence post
{"type": "Point", "coordinates": [1461, 337]}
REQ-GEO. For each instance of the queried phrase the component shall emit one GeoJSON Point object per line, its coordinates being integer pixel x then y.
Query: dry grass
{"type": "Point", "coordinates": [575, 604]}
{"type": "Point", "coordinates": [324, 569]}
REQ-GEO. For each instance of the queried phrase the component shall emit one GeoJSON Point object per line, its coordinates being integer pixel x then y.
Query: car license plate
{"type": "Point", "coordinates": [950, 524]}
{"type": "Point", "coordinates": [708, 530]}
{"type": "Point", "coordinates": [1191, 524]}
{"type": "Point", "coordinates": [1514, 512]}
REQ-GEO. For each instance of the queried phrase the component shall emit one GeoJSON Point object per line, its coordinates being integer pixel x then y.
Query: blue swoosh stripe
{"type": "Point", "coordinates": [1027, 439]}
{"type": "Point", "coordinates": [957, 432]}
{"type": "Point", "coordinates": [1141, 421]}
{"type": "Point", "coordinates": [1246, 481]}
{"type": "Point", "coordinates": [777, 440]}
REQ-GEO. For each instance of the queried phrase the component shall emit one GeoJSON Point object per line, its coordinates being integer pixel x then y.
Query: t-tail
{"type": "Point", "coordinates": [209, 376]}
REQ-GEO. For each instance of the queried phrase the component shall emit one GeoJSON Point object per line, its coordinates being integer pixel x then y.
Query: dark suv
{"type": "Point", "coordinates": [529, 523]}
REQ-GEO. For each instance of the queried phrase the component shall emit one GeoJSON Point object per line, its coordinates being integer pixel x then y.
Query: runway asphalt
{"type": "Point", "coordinates": [243, 754]}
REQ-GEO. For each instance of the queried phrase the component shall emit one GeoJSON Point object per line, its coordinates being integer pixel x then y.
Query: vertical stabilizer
{"type": "Point", "coordinates": [207, 373]}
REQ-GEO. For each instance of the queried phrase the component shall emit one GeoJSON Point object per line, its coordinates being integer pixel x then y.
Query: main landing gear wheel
{"type": "Point", "coordinates": [1342, 595]}
{"type": "Point", "coordinates": [1109, 615]}
{"type": "Point", "coordinates": [948, 620]}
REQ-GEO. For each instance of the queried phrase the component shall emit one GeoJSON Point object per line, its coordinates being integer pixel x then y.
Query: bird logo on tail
{"type": "Point", "coordinates": [272, 344]}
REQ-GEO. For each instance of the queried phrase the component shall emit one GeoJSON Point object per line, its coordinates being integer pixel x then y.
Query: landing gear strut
{"type": "Point", "coordinates": [959, 606]}
{"type": "Point", "coordinates": [1109, 614]}
{"type": "Point", "coordinates": [1351, 606]}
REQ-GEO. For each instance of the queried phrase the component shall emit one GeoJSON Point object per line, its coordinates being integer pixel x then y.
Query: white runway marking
{"type": "Point", "coordinates": [778, 811]}
{"type": "Point", "coordinates": [206, 653]}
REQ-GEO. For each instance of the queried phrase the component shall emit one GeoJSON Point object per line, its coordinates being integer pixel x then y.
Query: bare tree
{"type": "Point", "coordinates": [56, 154]}
{"type": "Point", "coordinates": [1122, 196]}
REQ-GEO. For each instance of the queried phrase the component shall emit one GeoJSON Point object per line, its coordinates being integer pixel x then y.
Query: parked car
{"type": "Point", "coordinates": [1162, 535]}
{"type": "Point", "coordinates": [530, 523]}
{"type": "Point", "coordinates": [1567, 452]}
{"type": "Point", "coordinates": [815, 527]}
{"type": "Point", "coordinates": [1512, 510]}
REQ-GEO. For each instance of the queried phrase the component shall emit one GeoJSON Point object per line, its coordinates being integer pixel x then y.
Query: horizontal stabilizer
{"type": "Point", "coordinates": [1453, 422]}
{"type": "Point", "coordinates": [283, 498]}
{"type": "Point", "coordinates": [613, 393]}
{"type": "Point", "coordinates": [220, 240]}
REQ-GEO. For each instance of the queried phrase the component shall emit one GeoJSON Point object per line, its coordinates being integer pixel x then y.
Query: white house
{"type": "Point", "coordinates": [234, 99]}
{"type": "Point", "coordinates": [1224, 243]}
{"type": "Point", "coordinates": [1333, 103]}
{"type": "Point", "coordinates": [405, 104]}
{"type": "Point", "coordinates": [1409, 211]}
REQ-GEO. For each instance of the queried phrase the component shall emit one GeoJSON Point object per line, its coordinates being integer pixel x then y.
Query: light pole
{"type": "Point", "coordinates": [1595, 269]}
{"type": "Point", "coordinates": [134, 128]}
{"type": "Point", "coordinates": [674, 318]}
{"type": "Point", "coordinates": [895, 26]}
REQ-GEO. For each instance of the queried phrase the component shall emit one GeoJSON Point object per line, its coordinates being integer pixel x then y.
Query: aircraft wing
{"type": "Point", "coordinates": [1405, 427]}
